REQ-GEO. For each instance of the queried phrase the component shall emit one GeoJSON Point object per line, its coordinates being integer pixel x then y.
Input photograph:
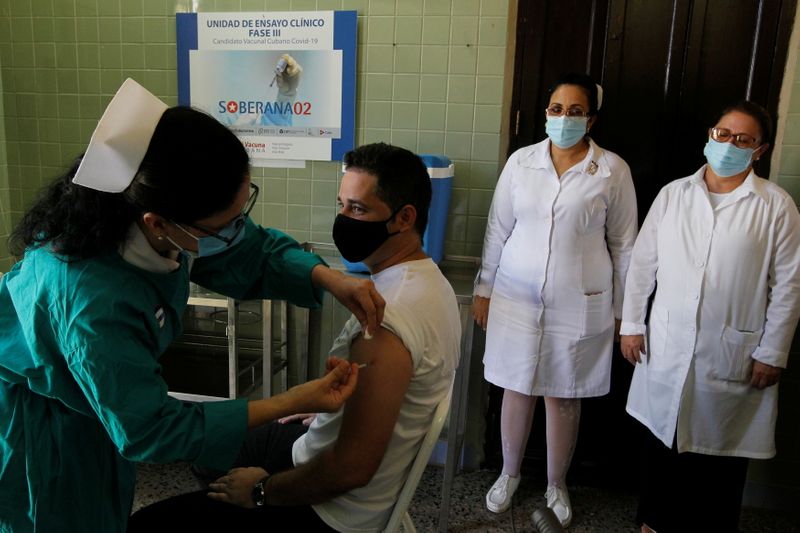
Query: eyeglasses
{"type": "Point", "coordinates": [238, 222]}
{"type": "Point", "coordinates": [557, 110]}
{"type": "Point", "coordinates": [724, 135]}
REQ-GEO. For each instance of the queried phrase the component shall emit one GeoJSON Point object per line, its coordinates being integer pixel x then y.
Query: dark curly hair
{"type": "Point", "coordinates": [193, 168]}
{"type": "Point", "coordinates": [402, 177]}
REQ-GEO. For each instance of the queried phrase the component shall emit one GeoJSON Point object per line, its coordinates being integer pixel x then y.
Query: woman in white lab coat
{"type": "Point", "coordinates": [723, 247]}
{"type": "Point", "coordinates": [558, 240]}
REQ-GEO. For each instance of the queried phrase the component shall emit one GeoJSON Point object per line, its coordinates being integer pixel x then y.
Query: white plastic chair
{"type": "Point", "coordinates": [400, 516]}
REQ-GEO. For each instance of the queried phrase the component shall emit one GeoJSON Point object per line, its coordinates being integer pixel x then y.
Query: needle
{"type": "Point", "coordinates": [363, 365]}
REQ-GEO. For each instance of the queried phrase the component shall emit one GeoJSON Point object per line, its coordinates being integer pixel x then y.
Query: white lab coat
{"type": "Point", "coordinates": [555, 256]}
{"type": "Point", "coordinates": [728, 292]}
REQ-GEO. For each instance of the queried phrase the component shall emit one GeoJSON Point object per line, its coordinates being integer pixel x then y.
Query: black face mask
{"type": "Point", "coordinates": [358, 239]}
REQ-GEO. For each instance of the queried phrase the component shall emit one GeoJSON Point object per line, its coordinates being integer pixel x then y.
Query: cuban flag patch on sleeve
{"type": "Point", "coordinates": [160, 316]}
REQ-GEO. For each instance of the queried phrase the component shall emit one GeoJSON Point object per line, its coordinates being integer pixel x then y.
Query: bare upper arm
{"type": "Point", "coordinates": [371, 413]}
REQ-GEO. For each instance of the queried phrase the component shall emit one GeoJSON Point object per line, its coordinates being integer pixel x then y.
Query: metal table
{"type": "Point", "coordinates": [272, 346]}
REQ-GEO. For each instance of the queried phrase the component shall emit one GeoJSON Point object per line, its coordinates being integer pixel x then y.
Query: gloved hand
{"type": "Point", "coordinates": [289, 79]}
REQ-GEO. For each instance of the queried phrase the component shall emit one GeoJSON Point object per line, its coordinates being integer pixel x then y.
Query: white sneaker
{"type": "Point", "coordinates": [498, 499]}
{"type": "Point", "coordinates": [558, 500]}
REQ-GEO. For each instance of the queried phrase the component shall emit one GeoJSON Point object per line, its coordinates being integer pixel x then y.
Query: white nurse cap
{"type": "Point", "coordinates": [120, 140]}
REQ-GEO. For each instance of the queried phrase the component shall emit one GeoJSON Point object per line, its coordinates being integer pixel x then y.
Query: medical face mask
{"type": "Point", "coordinates": [727, 159]}
{"type": "Point", "coordinates": [564, 131]}
{"type": "Point", "coordinates": [358, 239]}
{"type": "Point", "coordinates": [210, 245]}
{"type": "Point", "coordinates": [181, 249]}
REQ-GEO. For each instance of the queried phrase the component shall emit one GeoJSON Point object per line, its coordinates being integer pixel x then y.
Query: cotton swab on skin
{"type": "Point", "coordinates": [367, 335]}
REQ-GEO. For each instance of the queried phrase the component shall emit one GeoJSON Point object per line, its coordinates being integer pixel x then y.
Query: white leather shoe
{"type": "Point", "coordinates": [498, 499]}
{"type": "Point", "coordinates": [558, 500]}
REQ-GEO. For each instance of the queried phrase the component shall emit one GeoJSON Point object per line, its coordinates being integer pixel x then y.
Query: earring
{"type": "Point", "coordinates": [160, 237]}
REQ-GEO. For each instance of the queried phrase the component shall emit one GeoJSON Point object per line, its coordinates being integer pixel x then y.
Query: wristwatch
{"type": "Point", "coordinates": [259, 491]}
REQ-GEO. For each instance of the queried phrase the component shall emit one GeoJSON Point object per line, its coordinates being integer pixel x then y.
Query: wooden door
{"type": "Point", "coordinates": [667, 70]}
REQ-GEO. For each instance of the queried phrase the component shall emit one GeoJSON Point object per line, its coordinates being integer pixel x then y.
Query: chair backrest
{"type": "Point", "coordinates": [399, 515]}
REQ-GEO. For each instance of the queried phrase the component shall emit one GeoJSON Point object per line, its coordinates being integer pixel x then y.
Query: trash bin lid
{"type": "Point", "coordinates": [439, 166]}
{"type": "Point", "coordinates": [435, 160]}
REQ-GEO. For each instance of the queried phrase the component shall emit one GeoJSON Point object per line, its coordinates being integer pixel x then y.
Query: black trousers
{"type": "Point", "coordinates": [687, 492]}
{"type": "Point", "coordinates": [268, 446]}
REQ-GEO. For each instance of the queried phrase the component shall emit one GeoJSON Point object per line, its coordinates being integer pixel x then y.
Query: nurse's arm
{"type": "Point", "coordinates": [267, 263]}
{"type": "Point", "coordinates": [368, 422]}
{"type": "Point", "coordinates": [326, 394]}
{"type": "Point", "coordinates": [499, 226]}
{"type": "Point", "coordinates": [121, 382]}
{"type": "Point", "coordinates": [357, 294]}
{"type": "Point", "coordinates": [641, 278]}
{"type": "Point", "coordinates": [783, 297]}
{"type": "Point", "coordinates": [621, 227]}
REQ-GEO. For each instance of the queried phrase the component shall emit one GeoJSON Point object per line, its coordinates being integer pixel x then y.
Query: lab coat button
{"type": "Point", "coordinates": [701, 264]}
{"type": "Point", "coordinates": [695, 296]}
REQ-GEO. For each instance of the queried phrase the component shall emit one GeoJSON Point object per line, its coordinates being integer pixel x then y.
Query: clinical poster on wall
{"type": "Point", "coordinates": [284, 82]}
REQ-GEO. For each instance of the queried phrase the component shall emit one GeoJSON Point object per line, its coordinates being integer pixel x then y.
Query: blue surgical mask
{"type": "Point", "coordinates": [566, 132]}
{"type": "Point", "coordinates": [727, 159]}
{"type": "Point", "coordinates": [209, 245]}
{"type": "Point", "coordinates": [181, 249]}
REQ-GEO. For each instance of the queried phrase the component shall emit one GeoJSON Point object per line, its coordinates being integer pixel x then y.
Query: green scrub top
{"type": "Point", "coordinates": [81, 392]}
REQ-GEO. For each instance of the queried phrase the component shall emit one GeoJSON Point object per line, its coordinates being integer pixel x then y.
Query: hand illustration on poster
{"type": "Point", "coordinates": [287, 74]}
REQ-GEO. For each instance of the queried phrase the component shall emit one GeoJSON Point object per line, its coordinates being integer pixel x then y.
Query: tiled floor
{"type": "Point", "coordinates": [595, 510]}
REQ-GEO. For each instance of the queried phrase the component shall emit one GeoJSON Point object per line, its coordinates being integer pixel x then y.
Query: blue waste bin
{"type": "Point", "coordinates": [441, 172]}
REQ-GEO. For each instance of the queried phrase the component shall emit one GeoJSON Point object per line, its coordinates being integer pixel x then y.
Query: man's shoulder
{"type": "Point", "coordinates": [416, 282]}
{"type": "Point", "coordinates": [427, 292]}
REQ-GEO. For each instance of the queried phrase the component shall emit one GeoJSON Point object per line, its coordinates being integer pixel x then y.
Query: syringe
{"type": "Point", "coordinates": [279, 68]}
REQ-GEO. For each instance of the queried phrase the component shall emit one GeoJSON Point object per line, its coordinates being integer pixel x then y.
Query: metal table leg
{"type": "Point", "coordinates": [233, 347]}
{"type": "Point", "coordinates": [266, 348]}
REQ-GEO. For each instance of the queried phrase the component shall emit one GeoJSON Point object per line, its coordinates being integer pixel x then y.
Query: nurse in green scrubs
{"type": "Point", "coordinates": [160, 198]}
